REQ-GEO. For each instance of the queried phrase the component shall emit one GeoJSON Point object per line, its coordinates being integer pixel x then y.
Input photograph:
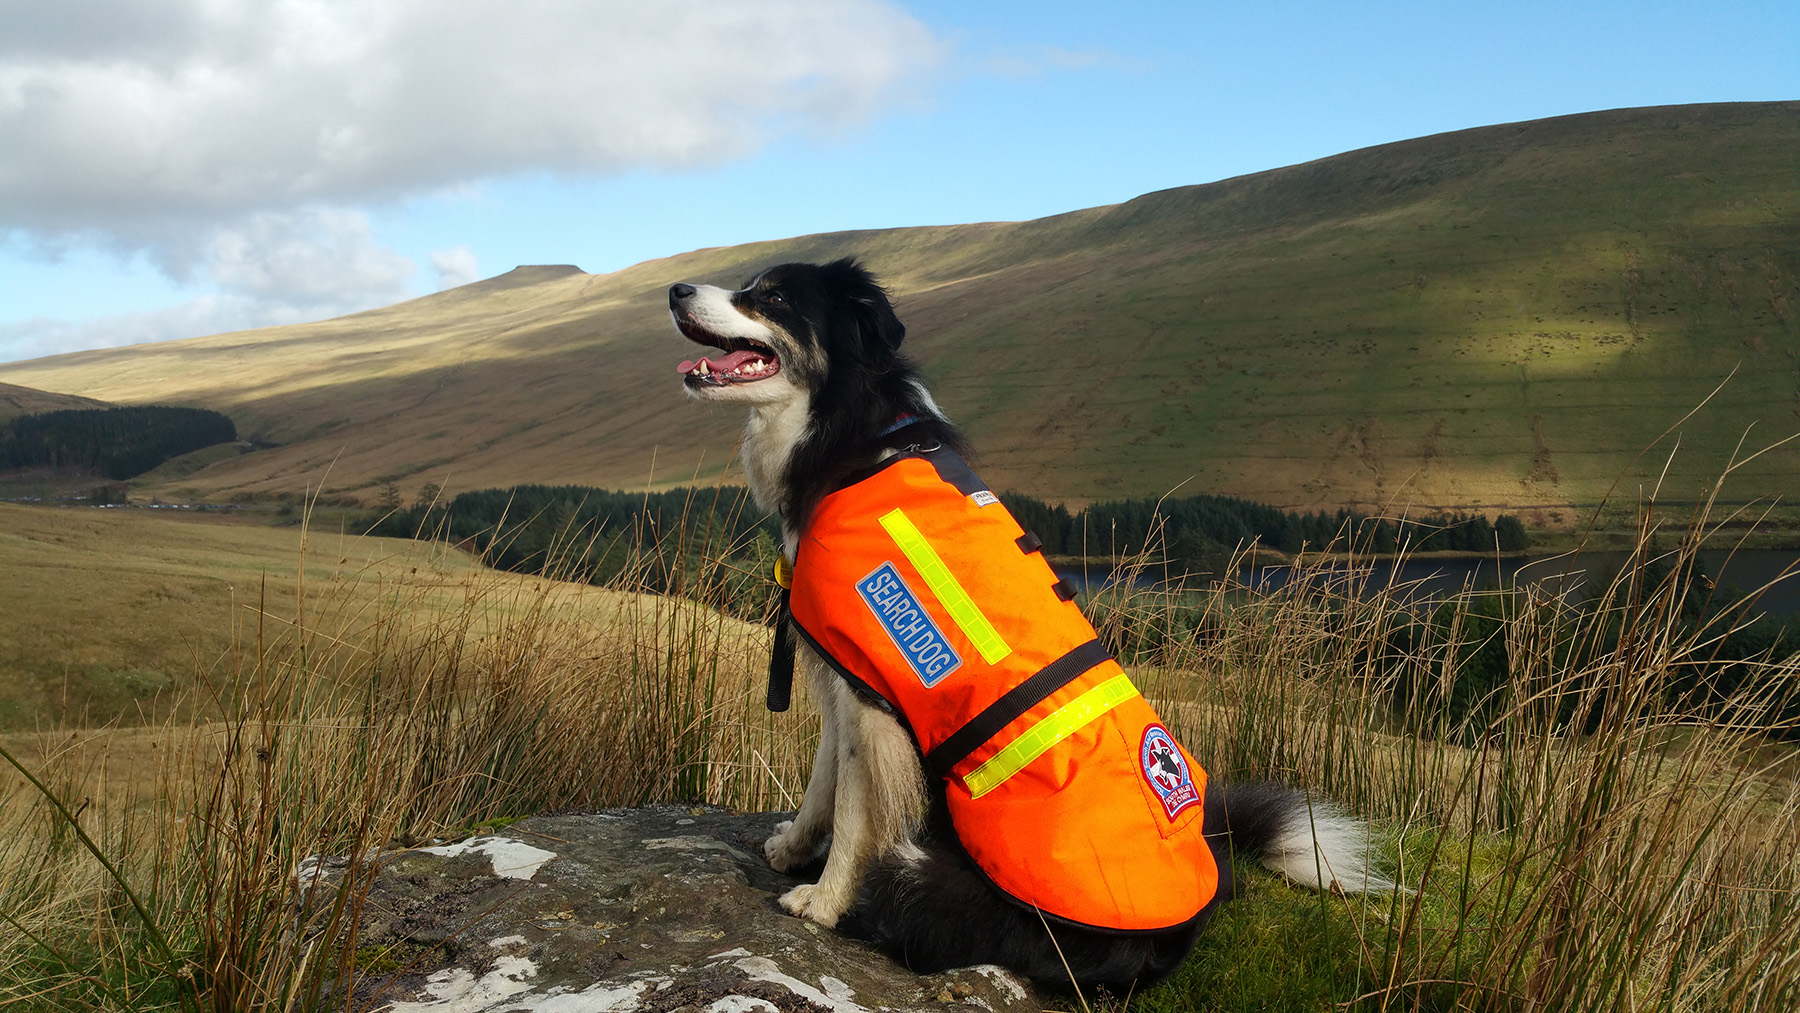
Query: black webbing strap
{"type": "Point", "coordinates": [1006, 710]}
{"type": "Point", "coordinates": [781, 658]}
{"type": "Point", "coordinates": [953, 469]}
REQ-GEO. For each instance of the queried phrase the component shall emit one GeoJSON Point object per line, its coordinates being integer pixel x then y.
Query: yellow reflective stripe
{"type": "Point", "coordinates": [942, 582]}
{"type": "Point", "coordinates": [1037, 740]}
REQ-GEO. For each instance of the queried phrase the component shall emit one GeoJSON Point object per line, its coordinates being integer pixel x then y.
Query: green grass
{"type": "Point", "coordinates": [1503, 317]}
{"type": "Point", "coordinates": [1279, 949]}
{"type": "Point", "coordinates": [183, 465]}
{"type": "Point", "coordinates": [1271, 948]}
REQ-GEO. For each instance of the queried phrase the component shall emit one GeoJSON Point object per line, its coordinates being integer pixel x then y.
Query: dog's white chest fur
{"type": "Point", "coordinates": [770, 435]}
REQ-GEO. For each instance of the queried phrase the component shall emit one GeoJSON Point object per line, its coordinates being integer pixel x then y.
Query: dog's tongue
{"type": "Point", "coordinates": [726, 364]}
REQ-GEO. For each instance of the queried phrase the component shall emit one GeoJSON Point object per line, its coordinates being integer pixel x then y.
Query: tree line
{"type": "Point", "coordinates": [712, 543]}
{"type": "Point", "coordinates": [590, 534]}
{"type": "Point", "coordinates": [119, 443]}
{"type": "Point", "coordinates": [1201, 531]}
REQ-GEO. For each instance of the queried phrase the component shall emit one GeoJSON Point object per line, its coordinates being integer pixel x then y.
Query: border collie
{"type": "Point", "coordinates": [814, 352]}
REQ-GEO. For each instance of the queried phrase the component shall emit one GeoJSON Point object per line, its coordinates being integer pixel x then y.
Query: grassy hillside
{"type": "Point", "coordinates": [16, 401]}
{"type": "Point", "coordinates": [1499, 317]}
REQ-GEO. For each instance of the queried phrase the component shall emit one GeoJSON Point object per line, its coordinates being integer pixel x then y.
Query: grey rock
{"type": "Point", "coordinates": [652, 910]}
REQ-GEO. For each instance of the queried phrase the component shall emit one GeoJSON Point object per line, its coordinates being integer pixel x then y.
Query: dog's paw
{"type": "Point", "coordinates": [785, 850]}
{"type": "Point", "coordinates": [813, 904]}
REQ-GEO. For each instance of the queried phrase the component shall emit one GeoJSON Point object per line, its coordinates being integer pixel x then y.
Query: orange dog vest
{"type": "Point", "coordinates": [1062, 782]}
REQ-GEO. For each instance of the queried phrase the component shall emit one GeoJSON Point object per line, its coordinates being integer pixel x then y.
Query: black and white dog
{"type": "Point", "coordinates": [814, 352]}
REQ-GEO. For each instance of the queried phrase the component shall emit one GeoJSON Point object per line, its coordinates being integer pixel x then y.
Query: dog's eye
{"type": "Point", "coordinates": [775, 299]}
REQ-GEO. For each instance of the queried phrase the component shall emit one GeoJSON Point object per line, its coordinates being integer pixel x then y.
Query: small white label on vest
{"type": "Point", "coordinates": [984, 498]}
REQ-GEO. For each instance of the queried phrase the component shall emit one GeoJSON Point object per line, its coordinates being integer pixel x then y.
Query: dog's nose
{"type": "Point", "coordinates": [679, 292]}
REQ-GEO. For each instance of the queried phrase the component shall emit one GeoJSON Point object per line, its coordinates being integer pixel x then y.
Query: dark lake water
{"type": "Point", "coordinates": [1740, 572]}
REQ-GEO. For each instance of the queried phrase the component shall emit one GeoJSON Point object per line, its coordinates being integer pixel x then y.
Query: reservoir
{"type": "Point", "coordinates": [1776, 571]}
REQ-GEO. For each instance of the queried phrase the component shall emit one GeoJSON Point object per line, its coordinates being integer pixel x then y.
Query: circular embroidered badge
{"type": "Point", "coordinates": [1166, 771]}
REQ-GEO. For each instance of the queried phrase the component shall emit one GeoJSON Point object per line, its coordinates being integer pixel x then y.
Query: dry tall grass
{"type": "Point", "coordinates": [1590, 842]}
{"type": "Point", "coordinates": [349, 727]}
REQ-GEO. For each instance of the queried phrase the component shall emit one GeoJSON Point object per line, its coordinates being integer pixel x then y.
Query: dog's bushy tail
{"type": "Point", "coordinates": [1310, 841]}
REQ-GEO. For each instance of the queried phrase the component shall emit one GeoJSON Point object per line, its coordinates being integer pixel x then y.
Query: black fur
{"type": "Point", "coordinates": [941, 912]}
{"type": "Point", "coordinates": [840, 310]}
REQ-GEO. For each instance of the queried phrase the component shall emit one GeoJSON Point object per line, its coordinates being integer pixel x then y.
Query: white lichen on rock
{"type": "Point", "coordinates": [742, 1004]}
{"type": "Point", "coordinates": [764, 969]}
{"type": "Point", "coordinates": [1003, 980]}
{"type": "Point", "coordinates": [512, 859]}
{"type": "Point", "coordinates": [457, 990]}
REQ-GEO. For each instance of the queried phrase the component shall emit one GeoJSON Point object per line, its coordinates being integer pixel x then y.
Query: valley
{"type": "Point", "coordinates": [1519, 318]}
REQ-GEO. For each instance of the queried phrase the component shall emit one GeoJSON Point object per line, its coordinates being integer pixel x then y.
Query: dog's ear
{"type": "Point", "coordinates": [878, 322]}
{"type": "Point", "coordinates": [869, 305]}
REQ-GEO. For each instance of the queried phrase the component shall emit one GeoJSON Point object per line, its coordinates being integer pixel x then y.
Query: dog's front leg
{"type": "Point", "coordinates": [880, 801]}
{"type": "Point", "coordinates": [796, 842]}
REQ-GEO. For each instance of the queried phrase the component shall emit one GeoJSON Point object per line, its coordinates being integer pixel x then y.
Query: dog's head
{"type": "Point", "coordinates": [785, 331]}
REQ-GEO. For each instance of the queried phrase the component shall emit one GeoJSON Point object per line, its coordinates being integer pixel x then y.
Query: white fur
{"type": "Point", "coordinates": [930, 402]}
{"type": "Point", "coordinates": [770, 435]}
{"type": "Point", "coordinates": [710, 307]}
{"type": "Point", "coordinates": [866, 791]}
{"type": "Point", "coordinates": [1324, 849]}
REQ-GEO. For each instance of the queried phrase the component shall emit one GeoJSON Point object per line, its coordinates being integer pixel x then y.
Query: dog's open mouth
{"type": "Point", "coordinates": [741, 366]}
{"type": "Point", "coordinates": [743, 361]}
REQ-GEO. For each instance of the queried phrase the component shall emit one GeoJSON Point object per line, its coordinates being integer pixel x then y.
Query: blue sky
{"type": "Point", "coordinates": [187, 171]}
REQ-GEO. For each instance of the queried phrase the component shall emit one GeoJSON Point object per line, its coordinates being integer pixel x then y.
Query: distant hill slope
{"type": "Point", "coordinates": [1499, 316]}
{"type": "Point", "coordinates": [16, 401]}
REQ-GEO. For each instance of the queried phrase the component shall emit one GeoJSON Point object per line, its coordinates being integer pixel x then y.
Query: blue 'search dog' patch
{"type": "Point", "coordinates": [920, 641]}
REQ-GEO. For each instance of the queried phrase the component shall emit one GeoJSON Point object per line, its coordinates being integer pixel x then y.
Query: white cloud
{"type": "Point", "coordinates": [454, 266]}
{"type": "Point", "coordinates": [315, 256]}
{"type": "Point", "coordinates": [121, 117]}
{"type": "Point", "coordinates": [210, 314]}
{"type": "Point", "coordinates": [228, 139]}
{"type": "Point", "coordinates": [270, 268]}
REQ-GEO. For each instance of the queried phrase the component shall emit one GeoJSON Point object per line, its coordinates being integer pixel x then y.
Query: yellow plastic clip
{"type": "Point", "coordinates": [784, 572]}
